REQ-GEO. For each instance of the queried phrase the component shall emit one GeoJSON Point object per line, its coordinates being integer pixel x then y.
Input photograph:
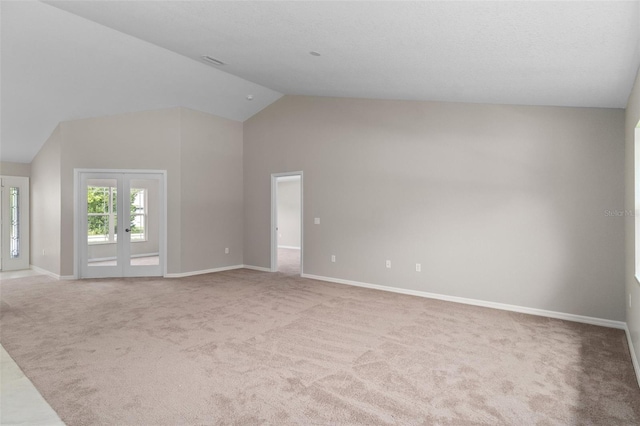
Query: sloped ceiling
{"type": "Point", "coordinates": [57, 66]}
{"type": "Point", "coordinates": [133, 55]}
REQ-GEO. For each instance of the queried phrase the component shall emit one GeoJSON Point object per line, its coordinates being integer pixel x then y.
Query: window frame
{"type": "Point", "coordinates": [112, 215]}
{"type": "Point", "coordinates": [144, 215]}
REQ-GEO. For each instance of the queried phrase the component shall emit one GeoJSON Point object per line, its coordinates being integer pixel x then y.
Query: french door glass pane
{"type": "Point", "coordinates": [144, 224]}
{"type": "Point", "coordinates": [102, 222]}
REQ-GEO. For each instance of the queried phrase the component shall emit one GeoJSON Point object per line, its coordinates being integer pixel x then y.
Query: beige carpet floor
{"type": "Point", "coordinates": [289, 261]}
{"type": "Point", "coordinates": [246, 348]}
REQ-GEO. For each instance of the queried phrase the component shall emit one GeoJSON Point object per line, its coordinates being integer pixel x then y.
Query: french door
{"type": "Point", "coordinates": [121, 226]}
{"type": "Point", "coordinates": [14, 231]}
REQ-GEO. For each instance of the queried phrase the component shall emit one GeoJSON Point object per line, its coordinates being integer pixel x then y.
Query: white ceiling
{"type": "Point", "coordinates": [57, 66]}
{"type": "Point", "coordinates": [567, 53]}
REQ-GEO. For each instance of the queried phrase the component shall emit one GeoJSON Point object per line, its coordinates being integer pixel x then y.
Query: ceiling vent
{"type": "Point", "coordinates": [211, 60]}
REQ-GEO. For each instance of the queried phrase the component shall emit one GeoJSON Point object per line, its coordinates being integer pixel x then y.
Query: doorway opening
{"type": "Point", "coordinates": [286, 223]}
{"type": "Point", "coordinates": [120, 223]}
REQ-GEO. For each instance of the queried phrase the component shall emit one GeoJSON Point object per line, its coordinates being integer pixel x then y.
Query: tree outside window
{"type": "Point", "coordinates": [102, 214]}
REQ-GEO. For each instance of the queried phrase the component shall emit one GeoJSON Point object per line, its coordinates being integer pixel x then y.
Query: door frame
{"type": "Point", "coordinates": [77, 223]}
{"type": "Point", "coordinates": [24, 260]}
{"type": "Point", "coordinates": [274, 218]}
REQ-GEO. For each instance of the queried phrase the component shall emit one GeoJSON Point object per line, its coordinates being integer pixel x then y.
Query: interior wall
{"type": "Point", "coordinates": [499, 203]}
{"type": "Point", "coordinates": [143, 140]}
{"type": "Point", "coordinates": [211, 189]}
{"type": "Point", "coordinates": [632, 285]}
{"type": "Point", "coordinates": [202, 155]}
{"type": "Point", "coordinates": [289, 212]}
{"type": "Point", "coordinates": [15, 169]}
{"type": "Point", "coordinates": [45, 205]}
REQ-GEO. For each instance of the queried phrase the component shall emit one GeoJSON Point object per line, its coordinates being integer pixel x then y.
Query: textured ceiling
{"type": "Point", "coordinates": [568, 53]}
{"type": "Point", "coordinates": [58, 66]}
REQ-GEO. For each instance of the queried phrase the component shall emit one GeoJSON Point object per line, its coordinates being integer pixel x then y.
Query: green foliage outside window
{"type": "Point", "coordinates": [98, 204]}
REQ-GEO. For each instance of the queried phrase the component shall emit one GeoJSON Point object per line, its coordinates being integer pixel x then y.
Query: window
{"type": "Point", "coordinates": [138, 214]}
{"type": "Point", "coordinates": [102, 211]}
{"type": "Point", "coordinates": [14, 222]}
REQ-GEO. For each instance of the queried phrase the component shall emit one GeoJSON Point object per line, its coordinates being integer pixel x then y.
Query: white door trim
{"type": "Point", "coordinates": [77, 222]}
{"type": "Point", "coordinates": [274, 218]}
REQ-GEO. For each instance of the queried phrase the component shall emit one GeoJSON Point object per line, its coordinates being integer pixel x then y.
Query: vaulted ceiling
{"type": "Point", "coordinates": [67, 59]}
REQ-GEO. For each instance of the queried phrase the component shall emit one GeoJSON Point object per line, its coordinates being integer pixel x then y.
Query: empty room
{"type": "Point", "coordinates": [320, 213]}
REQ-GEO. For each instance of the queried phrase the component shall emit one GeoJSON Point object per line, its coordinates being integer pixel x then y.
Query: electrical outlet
{"type": "Point", "coordinates": [418, 267]}
{"type": "Point", "coordinates": [333, 258]}
{"type": "Point", "coordinates": [388, 264]}
{"type": "Point", "coordinates": [226, 250]}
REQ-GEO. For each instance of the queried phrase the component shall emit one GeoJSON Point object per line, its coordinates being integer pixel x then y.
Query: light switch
{"type": "Point", "coordinates": [316, 220]}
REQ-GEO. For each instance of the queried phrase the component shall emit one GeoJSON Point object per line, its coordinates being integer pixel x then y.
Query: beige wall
{"type": "Point", "coordinates": [211, 191]}
{"type": "Point", "coordinates": [15, 169]}
{"type": "Point", "coordinates": [203, 158]}
{"type": "Point", "coordinates": [289, 212]}
{"type": "Point", "coordinates": [632, 287]}
{"type": "Point", "coordinates": [498, 203]}
{"type": "Point", "coordinates": [144, 140]}
{"type": "Point", "coordinates": [45, 205]}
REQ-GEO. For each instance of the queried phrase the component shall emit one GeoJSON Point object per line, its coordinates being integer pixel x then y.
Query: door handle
{"type": "Point", "coordinates": [127, 230]}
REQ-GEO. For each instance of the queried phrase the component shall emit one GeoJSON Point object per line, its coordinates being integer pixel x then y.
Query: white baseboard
{"type": "Point", "coordinates": [44, 272]}
{"type": "Point", "coordinates": [51, 274]}
{"type": "Point", "coordinates": [289, 247]}
{"type": "Point", "coordinates": [209, 271]}
{"type": "Point", "coordinates": [256, 268]}
{"type": "Point", "coordinates": [204, 271]}
{"type": "Point", "coordinates": [503, 306]}
{"type": "Point", "coordinates": [634, 359]}
{"type": "Point", "coordinates": [169, 275]}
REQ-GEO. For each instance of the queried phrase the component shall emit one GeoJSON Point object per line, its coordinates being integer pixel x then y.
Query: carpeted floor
{"type": "Point", "coordinates": [289, 261]}
{"type": "Point", "coordinates": [245, 347]}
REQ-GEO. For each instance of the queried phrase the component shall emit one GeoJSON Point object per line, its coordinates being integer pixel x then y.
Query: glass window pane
{"type": "Point", "coordinates": [138, 197]}
{"type": "Point", "coordinates": [101, 222]}
{"type": "Point", "coordinates": [14, 224]}
{"type": "Point", "coordinates": [137, 227]}
{"type": "Point", "coordinates": [98, 231]}
{"type": "Point", "coordinates": [114, 200]}
{"type": "Point", "coordinates": [144, 222]}
{"type": "Point", "coordinates": [97, 199]}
